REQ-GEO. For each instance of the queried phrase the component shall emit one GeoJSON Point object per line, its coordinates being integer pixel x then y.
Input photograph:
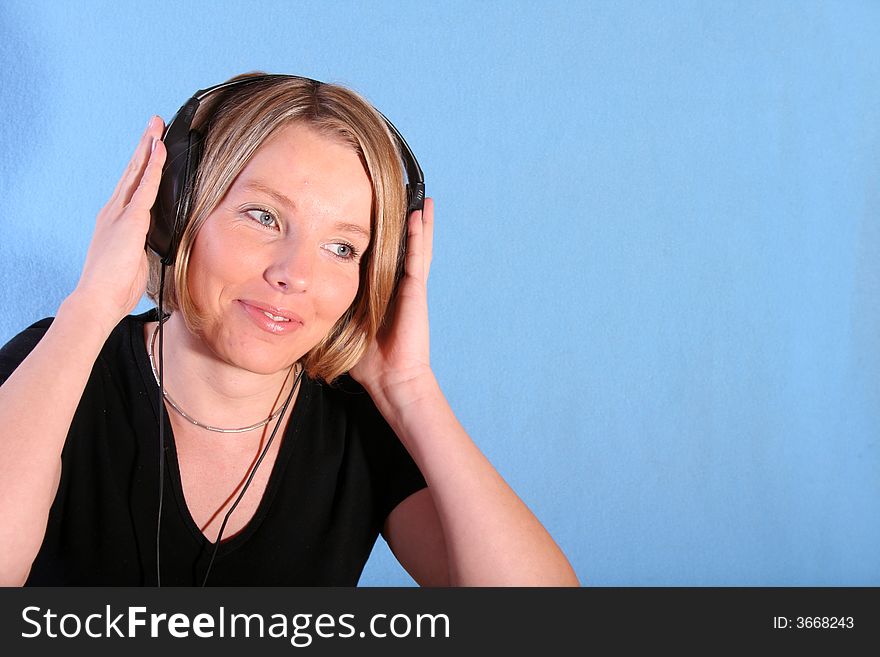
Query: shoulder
{"type": "Point", "coordinates": [18, 348]}
{"type": "Point", "coordinates": [127, 334]}
{"type": "Point", "coordinates": [347, 397]}
{"type": "Point", "coordinates": [344, 413]}
{"type": "Point", "coordinates": [345, 390]}
{"type": "Point", "coordinates": [351, 409]}
{"type": "Point", "coordinates": [13, 353]}
{"type": "Point", "coordinates": [29, 337]}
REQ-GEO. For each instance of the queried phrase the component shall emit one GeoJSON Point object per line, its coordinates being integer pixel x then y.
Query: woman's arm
{"type": "Point", "coordinates": [37, 404]}
{"type": "Point", "coordinates": [39, 399]}
{"type": "Point", "coordinates": [490, 538]}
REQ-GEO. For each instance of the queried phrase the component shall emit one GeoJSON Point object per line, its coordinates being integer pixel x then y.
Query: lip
{"type": "Point", "coordinates": [256, 311]}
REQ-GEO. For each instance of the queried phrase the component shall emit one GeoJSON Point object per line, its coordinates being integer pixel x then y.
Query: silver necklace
{"type": "Point", "coordinates": [191, 419]}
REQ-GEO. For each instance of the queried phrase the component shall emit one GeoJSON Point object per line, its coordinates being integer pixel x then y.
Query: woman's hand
{"type": "Point", "coordinates": [399, 357]}
{"type": "Point", "coordinates": [114, 276]}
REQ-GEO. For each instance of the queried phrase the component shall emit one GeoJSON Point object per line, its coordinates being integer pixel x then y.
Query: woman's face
{"type": "Point", "coordinates": [276, 264]}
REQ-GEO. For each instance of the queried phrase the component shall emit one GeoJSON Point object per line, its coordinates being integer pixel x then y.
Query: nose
{"type": "Point", "coordinates": [292, 267]}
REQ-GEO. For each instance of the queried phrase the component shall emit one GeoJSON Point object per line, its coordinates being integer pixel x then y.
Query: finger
{"type": "Point", "coordinates": [428, 234]}
{"type": "Point", "coordinates": [154, 136]}
{"type": "Point", "coordinates": [130, 167]}
{"type": "Point", "coordinates": [415, 245]}
{"type": "Point", "coordinates": [145, 193]}
{"type": "Point", "coordinates": [133, 172]}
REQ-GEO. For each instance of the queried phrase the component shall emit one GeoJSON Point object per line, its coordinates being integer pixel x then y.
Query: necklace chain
{"type": "Point", "coordinates": [190, 418]}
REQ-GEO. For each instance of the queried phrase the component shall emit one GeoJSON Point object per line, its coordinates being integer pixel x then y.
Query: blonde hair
{"type": "Point", "coordinates": [236, 122]}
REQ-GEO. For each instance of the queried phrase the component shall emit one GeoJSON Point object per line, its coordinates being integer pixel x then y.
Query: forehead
{"type": "Point", "coordinates": [314, 172]}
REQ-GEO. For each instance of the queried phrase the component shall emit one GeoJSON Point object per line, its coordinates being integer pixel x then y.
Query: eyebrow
{"type": "Point", "coordinates": [344, 226]}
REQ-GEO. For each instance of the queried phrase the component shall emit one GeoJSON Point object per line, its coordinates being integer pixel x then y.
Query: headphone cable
{"type": "Point", "coordinates": [161, 424]}
{"type": "Point", "coordinates": [162, 445]}
{"type": "Point", "coordinates": [251, 476]}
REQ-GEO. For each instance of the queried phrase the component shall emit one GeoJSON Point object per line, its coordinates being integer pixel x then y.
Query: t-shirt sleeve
{"type": "Point", "coordinates": [394, 474]}
{"type": "Point", "coordinates": [18, 348]}
{"type": "Point", "coordinates": [402, 476]}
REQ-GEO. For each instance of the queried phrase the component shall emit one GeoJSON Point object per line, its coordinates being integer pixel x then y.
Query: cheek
{"type": "Point", "coordinates": [213, 267]}
{"type": "Point", "coordinates": [199, 277]}
{"type": "Point", "coordinates": [338, 293]}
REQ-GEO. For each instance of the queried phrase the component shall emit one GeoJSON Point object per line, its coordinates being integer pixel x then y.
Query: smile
{"type": "Point", "coordinates": [277, 321]}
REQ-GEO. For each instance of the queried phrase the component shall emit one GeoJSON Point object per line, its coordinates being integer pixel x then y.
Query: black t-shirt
{"type": "Point", "coordinates": [339, 472]}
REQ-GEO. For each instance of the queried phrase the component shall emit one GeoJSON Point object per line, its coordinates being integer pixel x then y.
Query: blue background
{"type": "Point", "coordinates": [656, 286]}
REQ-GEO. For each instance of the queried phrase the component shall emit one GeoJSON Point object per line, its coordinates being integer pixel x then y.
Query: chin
{"type": "Point", "coordinates": [265, 364]}
{"type": "Point", "coordinates": [256, 358]}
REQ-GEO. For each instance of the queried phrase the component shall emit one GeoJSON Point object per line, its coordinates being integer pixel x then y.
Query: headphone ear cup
{"type": "Point", "coordinates": [169, 213]}
{"type": "Point", "coordinates": [185, 191]}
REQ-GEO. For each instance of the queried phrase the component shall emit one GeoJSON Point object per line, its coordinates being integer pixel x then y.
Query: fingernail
{"type": "Point", "coordinates": [153, 147]}
{"type": "Point", "coordinates": [150, 122]}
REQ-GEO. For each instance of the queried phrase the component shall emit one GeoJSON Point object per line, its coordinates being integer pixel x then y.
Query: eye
{"type": "Point", "coordinates": [263, 217]}
{"type": "Point", "coordinates": [342, 250]}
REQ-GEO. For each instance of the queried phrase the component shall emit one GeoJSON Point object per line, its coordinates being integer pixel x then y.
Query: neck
{"type": "Point", "coordinates": [210, 389]}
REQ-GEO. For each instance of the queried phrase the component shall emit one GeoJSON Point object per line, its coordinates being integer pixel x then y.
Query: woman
{"type": "Point", "coordinates": [280, 296]}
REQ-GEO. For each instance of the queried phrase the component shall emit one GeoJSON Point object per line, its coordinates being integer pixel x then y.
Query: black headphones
{"type": "Point", "coordinates": [169, 214]}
